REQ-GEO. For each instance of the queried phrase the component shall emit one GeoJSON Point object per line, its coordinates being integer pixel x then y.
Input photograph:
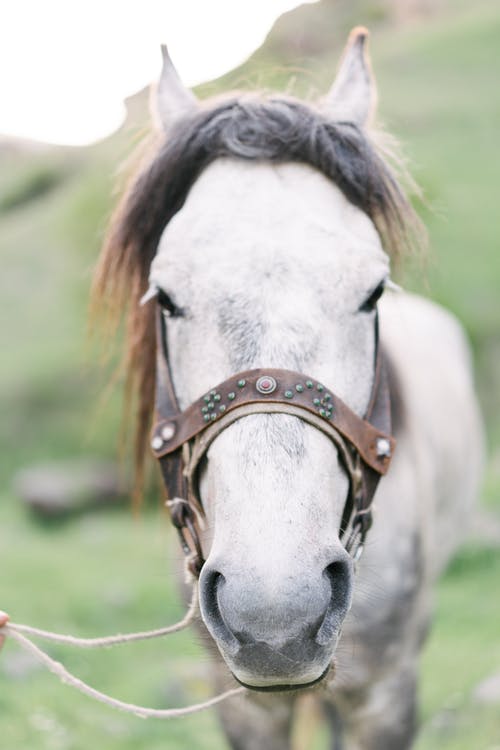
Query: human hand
{"type": "Point", "coordinates": [4, 618]}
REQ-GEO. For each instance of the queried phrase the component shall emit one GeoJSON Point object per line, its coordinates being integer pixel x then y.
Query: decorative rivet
{"type": "Point", "coordinates": [328, 413]}
{"type": "Point", "coordinates": [212, 393]}
{"type": "Point", "coordinates": [213, 416]}
{"type": "Point", "coordinates": [216, 396]}
{"type": "Point", "coordinates": [383, 448]}
{"type": "Point", "coordinates": [210, 405]}
{"type": "Point", "coordinates": [168, 431]}
{"type": "Point", "coordinates": [320, 387]}
{"type": "Point", "coordinates": [266, 384]}
{"type": "Point", "coordinates": [206, 417]}
{"type": "Point", "coordinates": [288, 394]}
{"type": "Point", "coordinates": [309, 384]}
{"type": "Point", "coordinates": [222, 407]}
{"type": "Point", "coordinates": [327, 397]}
{"type": "Point", "coordinates": [316, 402]}
{"type": "Point", "coordinates": [231, 396]}
{"type": "Point", "coordinates": [299, 388]}
{"type": "Point", "coordinates": [156, 443]}
{"type": "Point", "coordinates": [241, 383]}
{"type": "Point", "coordinates": [206, 399]}
{"type": "Point", "coordinates": [204, 409]}
{"type": "Point", "coordinates": [322, 412]}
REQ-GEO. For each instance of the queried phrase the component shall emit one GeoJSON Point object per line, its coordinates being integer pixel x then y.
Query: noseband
{"type": "Point", "coordinates": [181, 439]}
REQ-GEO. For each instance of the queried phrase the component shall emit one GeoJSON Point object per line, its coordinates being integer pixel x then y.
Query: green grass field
{"type": "Point", "coordinates": [108, 572]}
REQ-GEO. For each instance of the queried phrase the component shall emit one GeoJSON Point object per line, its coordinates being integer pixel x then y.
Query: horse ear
{"type": "Point", "coordinates": [170, 98]}
{"type": "Point", "coordinates": [353, 95]}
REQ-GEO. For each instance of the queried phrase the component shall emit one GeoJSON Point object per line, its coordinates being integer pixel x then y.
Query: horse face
{"type": "Point", "coordinates": [271, 266]}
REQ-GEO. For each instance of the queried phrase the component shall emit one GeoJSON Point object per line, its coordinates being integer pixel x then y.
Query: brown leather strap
{"type": "Point", "coordinates": [357, 517]}
{"type": "Point", "coordinates": [289, 388]}
{"type": "Point", "coordinates": [166, 404]}
{"type": "Point", "coordinates": [165, 398]}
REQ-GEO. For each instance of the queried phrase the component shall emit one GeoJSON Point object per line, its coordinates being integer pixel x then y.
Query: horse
{"type": "Point", "coordinates": [258, 232]}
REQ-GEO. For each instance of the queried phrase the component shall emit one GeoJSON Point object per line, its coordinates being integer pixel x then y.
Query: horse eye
{"type": "Point", "coordinates": [168, 306]}
{"type": "Point", "coordinates": [370, 304]}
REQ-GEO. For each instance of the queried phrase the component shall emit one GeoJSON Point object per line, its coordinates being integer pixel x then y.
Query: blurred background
{"type": "Point", "coordinates": [72, 556]}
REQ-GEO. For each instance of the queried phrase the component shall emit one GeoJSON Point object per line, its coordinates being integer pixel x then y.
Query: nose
{"type": "Point", "coordinates": [276, 629]}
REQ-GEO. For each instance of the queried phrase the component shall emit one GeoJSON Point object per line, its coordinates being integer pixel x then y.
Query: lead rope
{"type": "Point", "coordinates": [18, 633]}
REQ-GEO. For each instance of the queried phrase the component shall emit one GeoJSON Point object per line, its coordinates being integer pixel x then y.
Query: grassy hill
{"type": "Point", "coordinates": [438, 83]}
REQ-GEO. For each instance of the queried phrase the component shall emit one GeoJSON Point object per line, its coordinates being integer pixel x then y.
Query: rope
{"type": "Point", "coordinates": [16, 631]}
{"type": "Point", "coordinates": [112, 640]}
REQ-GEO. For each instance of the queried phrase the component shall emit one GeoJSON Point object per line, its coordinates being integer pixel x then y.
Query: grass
{"type": "Point", "coordinates": [36, 710]}
{"type": "Point", "coordinates": [108, 572]}
{"type": "Point", "coordinates": [463, 649]}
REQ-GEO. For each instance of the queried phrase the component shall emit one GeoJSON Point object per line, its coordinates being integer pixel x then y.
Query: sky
{"type": "Point", "coordinates": [67, 65]}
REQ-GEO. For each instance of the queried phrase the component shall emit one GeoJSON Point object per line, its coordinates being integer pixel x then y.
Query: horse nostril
{"type": "Point", "coordinates": [339, 574]}
{"type": "Point", "coordinates": [211, 582]}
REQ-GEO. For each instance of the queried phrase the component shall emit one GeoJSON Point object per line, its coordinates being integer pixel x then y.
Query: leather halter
{"type": "Point", "coordinates": [180, 439]}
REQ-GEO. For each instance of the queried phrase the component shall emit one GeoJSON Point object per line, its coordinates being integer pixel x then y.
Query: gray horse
{"type": "Point", "coordinates": [264, 227]}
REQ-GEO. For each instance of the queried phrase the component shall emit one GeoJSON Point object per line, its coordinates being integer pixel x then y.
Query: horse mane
{"type": "Point", "coordinates": [275, 129]}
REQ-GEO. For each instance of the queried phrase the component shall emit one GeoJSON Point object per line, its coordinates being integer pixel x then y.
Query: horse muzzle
{"type": "Point", "coordinates": [276, 632]}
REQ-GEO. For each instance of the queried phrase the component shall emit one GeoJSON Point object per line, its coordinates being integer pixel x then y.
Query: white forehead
{"type": "Point", "coordinates": [242, 213]}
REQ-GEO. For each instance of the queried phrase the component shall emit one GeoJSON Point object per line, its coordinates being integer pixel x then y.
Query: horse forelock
{"type": "Point", "coordinates": [274, 129]}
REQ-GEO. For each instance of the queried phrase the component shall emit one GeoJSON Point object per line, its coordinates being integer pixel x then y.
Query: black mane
{"type": "Point", "coordinates": [273, 129]}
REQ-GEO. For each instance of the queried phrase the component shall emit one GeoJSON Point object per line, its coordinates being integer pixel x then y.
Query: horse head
{"type": "Point", "coordinates": [258, 225]}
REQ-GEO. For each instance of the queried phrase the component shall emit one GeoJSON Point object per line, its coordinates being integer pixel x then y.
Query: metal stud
{"type": "Point", "coordinates": [210, 405]}
{"type": "Point", "coordinates": [231, 396]}
{"type": "Point", "coordinates": [241, 383]}
{"type": "Point", "coordinates": [266, 384]}
{"type": "Point", "coordinates": [222, 408]}
{"type": "Point", "coordinates": [168, 431]}
{"type": "Point", "coordinates": [204, 409]}
{"type": "Point", "coordinates": [316, 402]}
{"type": "Point", "coordinates": [320, 387]}
{"type": "Point", "coordinates": [309, 384]}
{"type": "Point", "coordinates": [156, 443]}
{"type": "Point", "coordinates": [213, 416]}
{"type": "Point", "coordinates": [383, 448]}
{"type": "Point", "coordinates": [206, 417]}
{"type": "Point", "coordinates": [216, 396]}
{"type": "Point", "coordinates": [206, 399]}
{"type": "Point", "coordinates": [322, 412]}
{"type": "Point", "coordinates": [299, 387]}
{"type": "Point", "coordinates": [288, 394]}
{"type": "Point", "coordinates": [327, 397]}
{"type": "Point", "coordinates": [212, 393]}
